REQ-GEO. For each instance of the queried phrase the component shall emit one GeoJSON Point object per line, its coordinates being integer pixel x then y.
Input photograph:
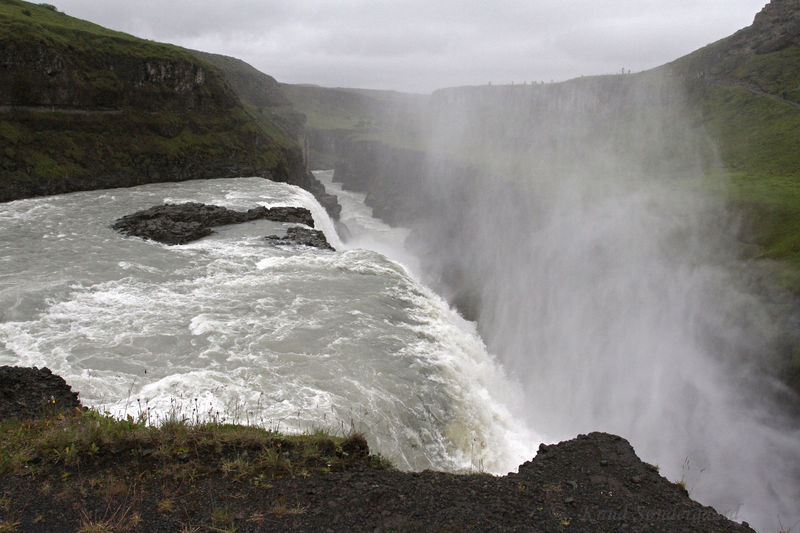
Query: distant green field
{"type": "Point", "coordinates": [383, 116]}
{"type": "Point", "coordinates": [758, 138]}
{"type": "Point", "coordinates": [747, 102]}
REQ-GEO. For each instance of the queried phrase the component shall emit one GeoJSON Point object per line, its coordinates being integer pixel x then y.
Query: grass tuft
{"type": "Point", "coordinates": [119, 474]}
{"type": "Point", "coordinates": [9, 526]}
{"type": "Point", "coordinates": [81, 437]}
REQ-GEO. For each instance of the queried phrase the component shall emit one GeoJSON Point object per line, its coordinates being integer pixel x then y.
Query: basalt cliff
{"type": "Point", "coordinates": [83, 107]}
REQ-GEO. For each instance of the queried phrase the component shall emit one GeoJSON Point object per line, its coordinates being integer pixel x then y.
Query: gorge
{"type": "Point", "coordinates": [621, 250]}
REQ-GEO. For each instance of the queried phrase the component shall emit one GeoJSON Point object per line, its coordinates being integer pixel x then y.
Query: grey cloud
{"type": "Point", "coordinates": [423, 45]}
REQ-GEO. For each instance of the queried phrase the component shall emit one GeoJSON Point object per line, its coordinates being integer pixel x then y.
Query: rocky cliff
{"type": "Point", "coordinates": [84, 107]}
{"type": "Point", "coordinates": [266, 103]}
{"type": "Point", "coordinates": [774, 28]}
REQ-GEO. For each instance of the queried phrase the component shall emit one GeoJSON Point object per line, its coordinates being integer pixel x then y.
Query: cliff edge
{"type": "Point", "coordinates": [64, 472]}
{"type": "Point", "coordinates": [84, 107]}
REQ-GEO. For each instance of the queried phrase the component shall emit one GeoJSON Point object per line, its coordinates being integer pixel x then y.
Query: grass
{"type": "Point", "coordinates": [245, 453]}
{"type": "Point", "coordinates": [755, 134]}
{"type": "Point", "coordinates": [279, 508]}
{"type": "Point", "coordinates": [105, 474]}
{"type": "Point", "coordinates": [22, 21]}
{"type": "Point", "coordinates": [744, 103]}
{"type": "Point", "coordinates": [757, 138]}
{"type": "Point", "coordinates": [111, 520]}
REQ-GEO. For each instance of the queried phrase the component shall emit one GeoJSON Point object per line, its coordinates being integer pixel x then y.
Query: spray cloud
{"type": "Point", "coordinates": [581, 226]}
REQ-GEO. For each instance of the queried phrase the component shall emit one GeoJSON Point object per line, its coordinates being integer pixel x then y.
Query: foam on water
{"type": "Point", "coordinates": [365, 230]}
{"type": "Point", "coordinates": [231, 327]}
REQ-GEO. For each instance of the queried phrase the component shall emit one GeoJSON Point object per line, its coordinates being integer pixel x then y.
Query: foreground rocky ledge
{"type": "Point", "coordinates": [226, 478]}
{"type": "Point", "coordinates": [184, 223]}
{"type": "Point", "coordinates": [30, 392]}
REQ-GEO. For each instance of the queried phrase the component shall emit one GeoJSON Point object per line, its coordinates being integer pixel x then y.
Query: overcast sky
{"type": "Point", "coordinates": [422, 45]}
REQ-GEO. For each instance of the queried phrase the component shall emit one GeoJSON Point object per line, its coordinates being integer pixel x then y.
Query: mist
{"type": "Point", "coordinates": [584, 227]}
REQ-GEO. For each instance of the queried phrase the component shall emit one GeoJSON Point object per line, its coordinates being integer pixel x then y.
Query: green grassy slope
{"type": "Point", "coordinates": [84, 107]}
{"type": "Point", "coordinates": [388, 117]}
{"type": "Point", "coordinates": [747, 88]}
{"type": "Point", "coordinates": [758, 138]}
{"type": "Point", "coordinates": [262, 96]}
{"type": "Point", "coordinates": [750, 105]}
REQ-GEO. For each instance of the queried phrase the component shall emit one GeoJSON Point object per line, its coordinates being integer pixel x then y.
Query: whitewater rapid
{"type": "Point", "coordinates": [235, 329]}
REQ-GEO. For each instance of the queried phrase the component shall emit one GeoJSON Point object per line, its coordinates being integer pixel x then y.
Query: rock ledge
{"type": "Point", "coordinates": [29, 392]}
{"type": "Point", "coordinates": [184, 223]}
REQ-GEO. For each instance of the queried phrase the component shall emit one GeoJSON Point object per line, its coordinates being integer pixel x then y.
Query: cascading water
{"type": "Point", "coordinates": [366, 231]}
{"type": "Point", "coordinates": [608, 283]}
{"type": "Point", "coordinates": [232, 327]}
{"type": "Point", "coordinates": [599, 292]}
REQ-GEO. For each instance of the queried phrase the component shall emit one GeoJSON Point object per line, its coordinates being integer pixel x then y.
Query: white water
{"type": "Point", "coordinates": [609, 282]}
{"type": "Point", "coordinates": [296, 338]}
{"type": "Point", "coordinates": [233, 328]}
{"type": "Point", "coordinates": [616, 315]}
{"type": "Point", "coordinates": [366, 231]}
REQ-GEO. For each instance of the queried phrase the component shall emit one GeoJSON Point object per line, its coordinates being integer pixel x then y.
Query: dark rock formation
{"type": "Point", "coordinates": [393, 178]}
{"type": "Point", "coordinates": [593, 483]}
{"type": "Point", "coordinates": [304, 236]}
{"type": "Point", "coordinates": [29, 392]}
{"type": "Point", "coordinates": [183, 223]}
{"type": "Point", "coordinates": [603, 486]}
{"type": "Point", "coordinates": [775, 27]}
{"type": "Point", "coordinates": [264, 93]}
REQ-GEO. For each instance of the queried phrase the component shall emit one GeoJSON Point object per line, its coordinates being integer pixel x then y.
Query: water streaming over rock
{"type": "Point", "coordinates": [586, 224]}
{"type": "Point", "coordinates": [231, 327]}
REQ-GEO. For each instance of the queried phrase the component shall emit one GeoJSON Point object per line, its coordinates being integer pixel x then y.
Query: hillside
{"type": "Point", "coordinates": [747, 88]}
{"type": "Point", "coordinates": [344, 115]}
{"type": "Point", "coordinates": [84, 107]}
{"type": "Point", "coordinates": [744, 91]}
{"type": "Point", "coordinates": [266, 104]}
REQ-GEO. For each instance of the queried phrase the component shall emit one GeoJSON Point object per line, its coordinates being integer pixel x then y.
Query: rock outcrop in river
{"type": "Point", "coordinates": [184, 223]}
{"type": "Point", "coordinates": [304, 236]}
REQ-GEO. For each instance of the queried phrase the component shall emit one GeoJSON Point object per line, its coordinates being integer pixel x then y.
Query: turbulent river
{"type": "Point", "coordinates": [234, 328]}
